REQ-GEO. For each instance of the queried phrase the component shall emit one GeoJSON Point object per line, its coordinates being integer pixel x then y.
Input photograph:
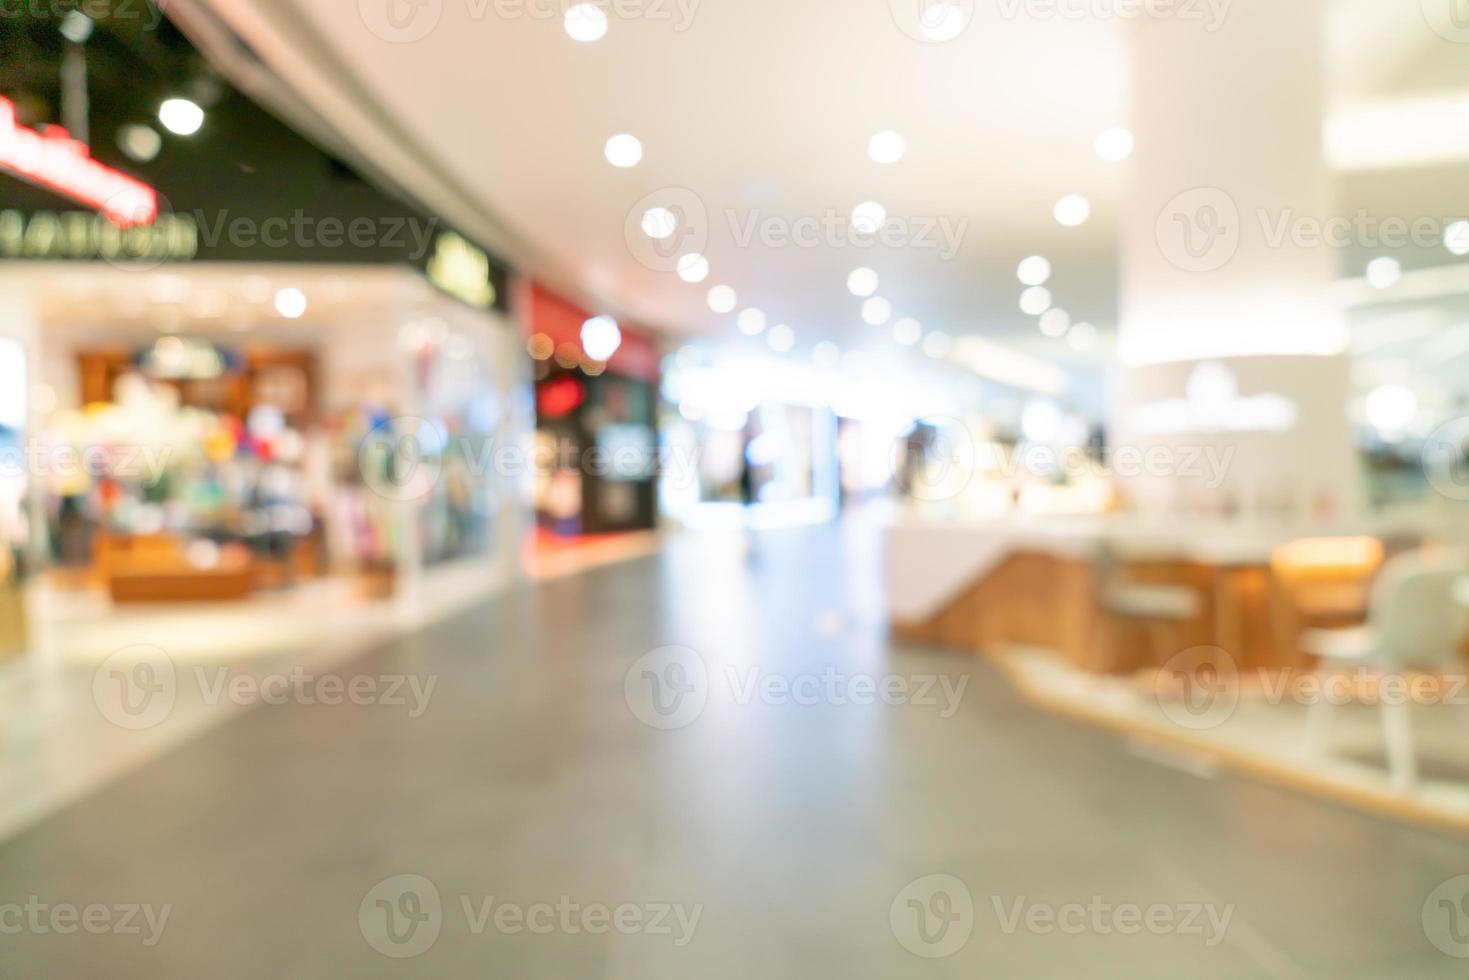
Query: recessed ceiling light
{"type": "Point", "coordinates": [869, 217]}
{"type": "Point", "coordinates": [1115, 144]}
{"type": "Point", "coordinates": [600, 337]}
{"type": "Point", "coordinates": [751, 321]}
{"type": "Point", "coordinates": [693, 267]}
{"type": "Point", "coordinates": [862, 282]}
{"type": "Point", "coordinates": [1082, 336]}
{"type": "Point", "coordinates": [938, 344]}
{"type": "Point", "coordinates": [1034, 271]}
{"type": "Point", "coordinates": [623, 150]}
{"type": "Point", "coordinates": [1035, 300]}
{"type": "Point", "coordinates": [1456, 238]}
{"type": "Point", "coordinates": [781, 337]}
{"type": "Point", "coordinates": [722, 299]}
{"type": "Point", "coordinates": [907, 331]}
{"type": "Point", "coordinates": [180, 116]}
{"type": "Point", "coordinates": [1055, 322]}
{"type": "Point", "coordinates": [659, 223]}
{"type": "Point", "coordinates": [585, 22]}
{"type": "Point", "coordinates": [1072, 210]}
{"type": "Point", "coordinates": [942, 20]}
{"type": "Point", "coordinates": [887, 147]}
{"type": "Point", "coordinates": [290, 303]}
{"type": "Point", "coordinates": [877, 311]}
{"type": "Point", "coordinates": [1384, 271]}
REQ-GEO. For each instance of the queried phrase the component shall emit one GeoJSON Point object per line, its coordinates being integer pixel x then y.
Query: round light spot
{"type": "Point", "coordinates": [1055, 322]}
{"type": "Point", "coordinates": [600, 337]}
{"type": "Point", "coordinates": [781, 338]}
{"type": "Point", "coordinates": [722, 299]}
{"type": "Point", "coordinates": [943, 20]}
{"type": "Point", "coordinates": [290, 303]}
{"type": "Point", "coordinates": [1072, 210]}
{"type": "Point", "coordinates": [1035, 300]}
{"type": "Point", "coordinates": [658, 223]}
{"type": "Point", "coordinates": [877, 311]}
{"type": "Point", "coordinates": [1082, 336]}
{"type": "Point", "coordinates": [751, 321]}
{"type": "Point", "coordinates": [693, 267]}
{"type": "Point", "coordinates": [1456, 238]}
{"type": "Point", "coordinates": [623, 150]}
{"type": "Point", "coordinates": [1383, 272]}
{"type": "Point", "coordinates": [140, 143]}
{"type": "Point", "coordinates": [1034, 271]}
{"type": "Point", "coordinates": [887, 147]}
{"type": "Point", "coordinates": [585, 22]}
{"type": "Point", "coordinates": [180, 116]}
{"type": "Point", "coordinates": [1115, 144]}
{"type": "Point", "coordinates": [907, 331]}
{"type": "Point", "coordinates": [938, 344]}
{"type": "Point", "coordinates": [862, 282]}
{"type": "Point", "coordinates": [1391, 408]}
{"type": "Point", "coordinates": [869, 217]}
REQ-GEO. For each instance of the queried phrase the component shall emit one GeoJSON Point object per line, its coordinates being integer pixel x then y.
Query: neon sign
{"type": "Point", "coordinates": [54, 160]}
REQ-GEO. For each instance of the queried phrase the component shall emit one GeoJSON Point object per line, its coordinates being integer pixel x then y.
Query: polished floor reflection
{"type": "Point", "coordinates": [704, 763]}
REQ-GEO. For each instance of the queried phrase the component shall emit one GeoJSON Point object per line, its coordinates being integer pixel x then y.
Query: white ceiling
{"type": "Point", "coordinates": [764, 107]}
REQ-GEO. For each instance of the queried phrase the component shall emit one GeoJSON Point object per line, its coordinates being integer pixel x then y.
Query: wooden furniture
{"type": "Point", "coordinates": [1052, 590]}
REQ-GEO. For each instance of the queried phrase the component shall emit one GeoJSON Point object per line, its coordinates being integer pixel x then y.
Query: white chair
{"type": "Point", "coordinates": [1415, 621]}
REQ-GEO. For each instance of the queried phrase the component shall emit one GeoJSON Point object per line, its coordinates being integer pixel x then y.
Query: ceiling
{"type": "Point", "coordinates": [760, 111]}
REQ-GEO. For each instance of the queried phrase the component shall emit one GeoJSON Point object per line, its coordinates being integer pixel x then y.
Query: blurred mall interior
{"type": "Point", "coordinates": [696, 488]}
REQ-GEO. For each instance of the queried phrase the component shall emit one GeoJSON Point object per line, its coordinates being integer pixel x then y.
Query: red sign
{"type": "Point", "coordinates": [637, 357]}
{"type": "Point", "coordinates": [53, 159]}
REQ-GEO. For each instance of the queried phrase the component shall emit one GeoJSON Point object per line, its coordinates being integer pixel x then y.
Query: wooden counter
{"type": "Point", "coordinates": [1042, 584]}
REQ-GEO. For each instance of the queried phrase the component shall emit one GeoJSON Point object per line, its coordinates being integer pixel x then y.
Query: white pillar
{"type": "Point", "coordinates": [1228, 161]}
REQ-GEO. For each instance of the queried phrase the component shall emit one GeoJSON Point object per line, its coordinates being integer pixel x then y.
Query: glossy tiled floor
{"type": "Point", "coordinates": [796, 825]}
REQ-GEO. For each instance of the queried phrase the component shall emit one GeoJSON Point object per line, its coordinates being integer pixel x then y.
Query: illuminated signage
{"type": "Point", "coordinates": [56, 161]}
{"type": "Point", "coordinates": [461, 270]}
{"type": "Point", "coordinates": [83, 235]}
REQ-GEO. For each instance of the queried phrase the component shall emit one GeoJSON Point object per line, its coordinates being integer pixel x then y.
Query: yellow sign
{"type": "Point", "coordinates": [461, 270]}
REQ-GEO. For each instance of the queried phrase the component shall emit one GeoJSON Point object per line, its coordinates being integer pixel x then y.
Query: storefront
{"type": "Point", "coordinates": [596, 436]}
{"type": "Point", "coordinates": [235, 368]}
